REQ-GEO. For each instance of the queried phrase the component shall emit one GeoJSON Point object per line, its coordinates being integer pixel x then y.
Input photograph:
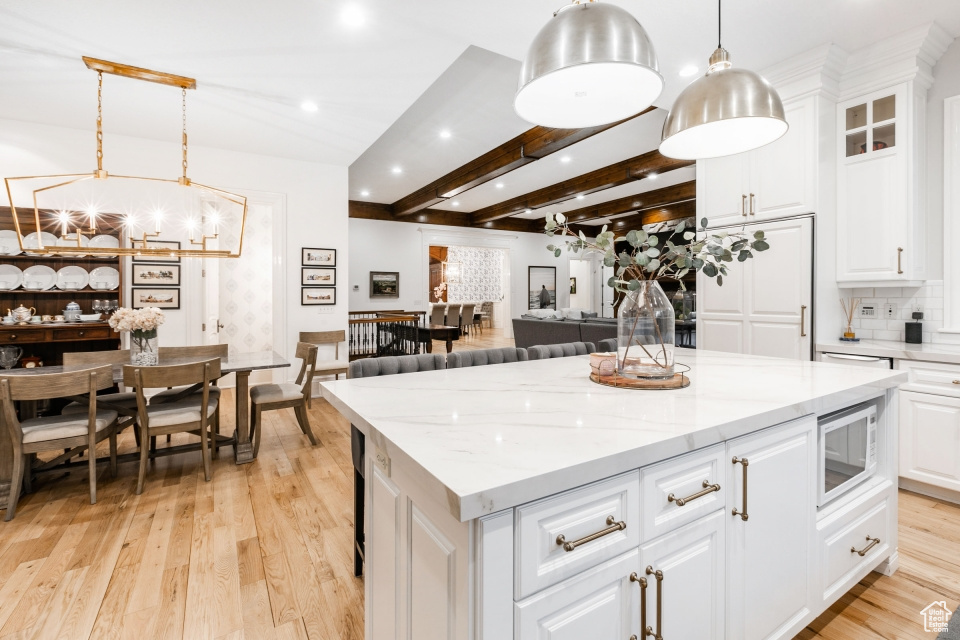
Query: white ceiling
{"type": "Point", "coordinates": [255, 62]}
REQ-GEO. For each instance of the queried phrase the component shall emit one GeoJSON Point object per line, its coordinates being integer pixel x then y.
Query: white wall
{"type": "Point", "coordinates": [315, 197]}
{"type": "Point", "coordinates": [403, 247]}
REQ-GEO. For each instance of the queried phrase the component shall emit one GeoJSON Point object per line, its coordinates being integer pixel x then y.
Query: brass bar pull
{"type": "Point", "coordinates": [899, 261]}
{"type": "Point", "coordinates": [743, 514]}
{"type": "Point", "coordinates": [743, 206]}
{"type": "Point", "coordinates": [803, 321]}
{"type": "Point", "coordinates": [613, 526]}
{"type": "Point", "coordinates": [643, 603]}
{"type": "Point", "coordinates": [862, 552]}
{"type": "Point", "coordinates": [649, 630]}
{"type": "Point", "coordinates": [707, 488]}
{"type": "Point", "coordinates": [956, 382]}
{"type": "Point", "coordinates": [753, 210]}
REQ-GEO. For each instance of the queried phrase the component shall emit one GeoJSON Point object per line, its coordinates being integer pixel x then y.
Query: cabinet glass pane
{"type": "Point", "coordinates": [856, 117]}
{"type": "Point", "coordinates": [856, 143]}
{"type": "Point", "coordinates": [884, 137]}
{"type": "Point", "coordinates": [884, 109]}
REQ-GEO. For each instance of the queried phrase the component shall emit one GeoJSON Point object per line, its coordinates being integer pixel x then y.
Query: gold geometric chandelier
{"type": "Point", "coordinates": [160, 217]}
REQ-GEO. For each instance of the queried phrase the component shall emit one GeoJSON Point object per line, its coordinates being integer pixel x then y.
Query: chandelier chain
{"type": "Point", "coordinates": [184, 107]}
{"type": "Point", "coordinates": [99, 121]}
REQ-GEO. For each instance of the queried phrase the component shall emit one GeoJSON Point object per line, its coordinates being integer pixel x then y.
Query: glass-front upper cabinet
{"type": "Point", "coordinates": [871, 125]}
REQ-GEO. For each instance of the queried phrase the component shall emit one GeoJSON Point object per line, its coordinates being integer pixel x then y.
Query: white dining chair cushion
{"type": "Point", "coordinates": [57, 427]}
{"type": "Point", "coordinates": [125, 400]}
{"type": "Point", "coordinates": [180, 412]}
{"type": "Point", "coordinates": [166, 394]}
{"type": "Point", "coordinates": [268, 393]}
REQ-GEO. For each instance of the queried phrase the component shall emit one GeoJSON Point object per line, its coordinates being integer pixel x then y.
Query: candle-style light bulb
{"type": "Point", "coordinates": [92, 214]}
{"type": "Point", "coordinates": [157, 217]}
{"type": "Point", "coordinates": [64, 219]}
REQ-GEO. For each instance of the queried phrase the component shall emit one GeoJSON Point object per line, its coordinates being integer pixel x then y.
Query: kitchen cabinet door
{"type": "Point", "coordinates": [691, 563]}
{"type": "Point", "coordinates": [930, 439]}
{"type": "Point", "coordinates": [771, 564]}
{"type": "Point", "coordinates": [783, 173]}
{"type": "Point", "coordinates": [722, 187]}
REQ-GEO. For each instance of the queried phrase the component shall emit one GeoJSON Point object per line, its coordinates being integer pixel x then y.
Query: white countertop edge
{"type": "Point", "coordinates": [925, 352]}
{"type": "Point", "coordinates": [470, 506]}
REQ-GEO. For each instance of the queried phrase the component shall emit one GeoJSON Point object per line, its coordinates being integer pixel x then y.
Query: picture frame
{"type": "Point", "coordinates": [168, 298]}
{"type": "Point", "coordinates": [315, 257]}
{"type": "Point", "coordinates": [318, 276]}
{"type": "Point", "coordinates": [384, 284]}
{"type": "Point", "coordinates": [157, 244]}
{"type": "Point", "coordinates": [573, 286]}
{"type": "Point", "coordinates": [540, 279]}
{"type": "Point", "coordinates": [311, 296]}
{"type": "Point", "coordinates": [145, 274]}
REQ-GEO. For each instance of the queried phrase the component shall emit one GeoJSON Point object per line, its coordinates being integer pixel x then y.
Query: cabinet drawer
{"type": "Point", "coordinates": [840, 543]}
{"type": "Point", "coordinates": [932, 377]}
{"type": "Point", "coordinates": [666, 485]}
{"type": "Point", "coordinates": [579, 516]}
{"type": "Point", "coordinates": [13, 337]}
{"type": "Point", "coordinates": [93, 333]}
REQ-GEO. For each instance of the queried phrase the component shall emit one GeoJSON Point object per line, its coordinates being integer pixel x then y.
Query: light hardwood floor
{"type": "Point", "coordinates": [264, 551]}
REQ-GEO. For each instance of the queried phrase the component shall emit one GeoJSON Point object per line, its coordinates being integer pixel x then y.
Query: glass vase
{"type": "Point", "coordinates": [143, 348]}
{"type": "Point", "coordinates": [645, 333]}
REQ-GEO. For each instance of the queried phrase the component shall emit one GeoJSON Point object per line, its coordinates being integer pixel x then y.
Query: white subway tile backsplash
{"type": "Point", "coordinates": [888, 335]}
{"type": "Point", "coordinates": [871, 323]}
{"type": "Point", "coordinates": [864, 334]}
{"type": "Point", "coordinates": [862, 293]}
{"type": "Point", "coordinates": [892, 292]}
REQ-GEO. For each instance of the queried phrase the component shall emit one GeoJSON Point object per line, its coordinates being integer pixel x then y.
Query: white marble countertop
{"type": "Point", "coordinates": [484, 439]}
{"type": "Point", "coordinates": [926, 352]}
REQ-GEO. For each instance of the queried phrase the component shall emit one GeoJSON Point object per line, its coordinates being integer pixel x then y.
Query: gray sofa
{"type": "Point", "coordinates": [529, 332]}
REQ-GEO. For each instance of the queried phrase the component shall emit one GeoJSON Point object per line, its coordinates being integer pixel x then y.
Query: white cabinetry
{"type": "Point", "coordinates": [774, 181]}
{"type": "Point", "coordinates": [930, 439]}
{"type": "Point", "coordinates": [769, 554]}
{"type": "Point", "coordinates": [879, 208]}
{"type": "Point", "coordinates": [764, 307]}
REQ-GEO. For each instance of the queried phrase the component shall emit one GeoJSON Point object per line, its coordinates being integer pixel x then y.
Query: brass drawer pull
{"type": "Point", "coordinates": [803, 321]}
{"type": "Point", "coordinates": [648, 631]}
{"type": "Point", "coordinates": [707, 488]}
{"type": "Point", "coordinates": [753, 211]}
{"type": "Point", "coordinates": [862, 552]}
{"type": "Point", "coordinates": [743, 206]}
{"type": "Point", "coordinates": [899, 256]}
{"type": "Point", "coordinates": [743, 514]}
{"type": "Point", "coordinates": [643, 603]}
{"type": "Point", "coordinates": [13, 336]}
{"type": "Point", "coordinates": [81, 333]}
{"type": "Point", "coordinates": [613, 526]}
{"type": "Point", "coordinates": [956, 382]}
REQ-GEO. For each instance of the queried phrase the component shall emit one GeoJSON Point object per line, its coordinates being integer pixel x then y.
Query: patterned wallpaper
{"type": "Point", "coordinates": [482, 274]}
{"type": "Point", "coordinates": [246, 285]}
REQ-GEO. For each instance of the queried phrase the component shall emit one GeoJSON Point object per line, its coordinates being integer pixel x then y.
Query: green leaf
{"type": "Point", "coordinates": [550, 247]}
{"type": "Point", "coordinates": [758, 235]}
{"type": "Point", "coordinates": [653, 241]}
{"type": "Point", "coordinates": [609, 260]}
{"type": "Point", "coordinates": [761, 245]}
{"type": "Point", "coordinates": [652, 252]}
{"type": "Point", "coordinates": [643, 259]}
{"type": "Point", "coordinates": [557, 253]}
{"type": "Point", "coordinates": [561, 218]}
{"type": "Point", "coordinates": [703, 223]}
{"type": "Point", "coordinates": [603, 229]}
{"type": "Point", "coordinates": [625, 259]}
{"type": "Point", "coordinates": [719, 281]}
{"type": "Point", "coordinates": [743, 256]}
{"type": "Point", "coordinates": [689, 235]}
{"type": "Point", "coordinates": [710, 269]}
{"type": "Point", "coordinates": [652, 265]}
{"type": "Point", "coordinates": [632, 239]}
{"type": "Point", "coordinates": [739, 244]}
{"type": "Point", "coordinates": [610, 281]}
{"type": "Point", "coordinates": [633, 285]}
{"type": "Point", "coordinates": [680, 275]}
{"type": "Point", "coordinates": [680, 227]}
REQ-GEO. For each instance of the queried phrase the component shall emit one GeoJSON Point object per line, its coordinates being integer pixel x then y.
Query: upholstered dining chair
{"type": "Point", "coordinates": [125, 399]}
{"type": "Point", "coordinates": [286, 395]}
{"type": "Point", "coordinates": [196, 413]}
{"type": "Point", "coordinates": [481, 357]}
{"type": "Point", "coordinates": [180, 393]}
{"type": "Point", "coordinates": [368, 368]}
{"type": "Point", "coordinates": [334, 367]}
{"type": "Point", "coordinates": [438, 314]}
{"type": "Point", "coordinates": [608, 345]}
{"type": "Point", "coordinates": [72, 432]}
{"type": "Point", "coordinates": [565, 350]}
{"type": "Point", "coordinates": [486, 313]}
{"type": "Point", "coordinates": [466, 316]}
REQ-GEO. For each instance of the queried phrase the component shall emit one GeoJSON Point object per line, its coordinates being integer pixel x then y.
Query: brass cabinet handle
{"type": "Point", "coordinates": [13, 336]}
{"type": "Point", "coordinates": [613, 526]}
{"type": "Point", "coordinates": [648, 631]}
{"type": "Point", "coordinates": [862, 552]}
{"type": "Point", "coordinates": [743, 514]}
{"type": "Point", "coordinates": [753, 211]}
{"type": "Point", "coordinates": [707, 488]}
{"type": "Point", "coordinates": [956, 382]}
{"type": "Point", "coordinates": [899, 256]}
{"type": "Point", "coordinates": [81, 334]}
{"type": "Point", "coordinates": [743, 205]}
{"type": "Point", "coordinates": [803, 321]}
{"type": "Point", "coordinates": [643, 603]}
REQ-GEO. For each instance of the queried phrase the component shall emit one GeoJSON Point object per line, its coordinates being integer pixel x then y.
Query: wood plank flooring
{"type": "Point", "coordinates": [264, 550]}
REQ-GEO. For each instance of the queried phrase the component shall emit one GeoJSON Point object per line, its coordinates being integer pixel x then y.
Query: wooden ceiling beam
{"type": "Point", "coordinates": [377, 211]}
{"type": "Point", "coordinates": [676, 211]}
{"type": "Point", "coordinates": [614, 175]}
{"type": "Point", "coordinates": [647, 200]}
{"type": "Point", "coordinates": [528, 147]}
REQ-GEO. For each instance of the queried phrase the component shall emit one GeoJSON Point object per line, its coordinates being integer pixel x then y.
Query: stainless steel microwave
{"type": "Point", "coordinates": [848, 450]}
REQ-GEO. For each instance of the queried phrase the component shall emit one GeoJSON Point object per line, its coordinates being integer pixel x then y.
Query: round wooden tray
{"type": "Point", "coordinates": [678, 381]}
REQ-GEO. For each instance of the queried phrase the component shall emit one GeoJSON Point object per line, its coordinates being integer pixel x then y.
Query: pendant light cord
{"type": "Point", "coordinates": [719, 24]}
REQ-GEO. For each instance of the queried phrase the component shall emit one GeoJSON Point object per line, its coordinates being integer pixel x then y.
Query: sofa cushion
{"type": "Point", "coordinates": [547, 351]}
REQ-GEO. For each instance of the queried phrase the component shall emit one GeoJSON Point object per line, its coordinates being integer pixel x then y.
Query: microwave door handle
{"type": "Point", "coordinates": [842, 356]}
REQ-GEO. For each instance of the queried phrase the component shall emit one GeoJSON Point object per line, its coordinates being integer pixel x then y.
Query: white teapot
{"type": "Point", "coordinates": [21, 314]}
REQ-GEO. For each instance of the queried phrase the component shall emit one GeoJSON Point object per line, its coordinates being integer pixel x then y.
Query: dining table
{"type": "Point", "coordinates": [240, 364]}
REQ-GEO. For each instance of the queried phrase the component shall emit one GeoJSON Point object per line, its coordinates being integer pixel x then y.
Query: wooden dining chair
{"type": "Point", "coordinates": [125, 399]}
{"type": "Point", "coordinates": [73, 432]}
{"type": "Point", "coordinates": [194, 414]}
{"type": "Point", "coordinates": [270, 397]}
{"type": "Point", "coordinates": [180, 393]}
{"type": "Point", "coordinates": [334, 367]}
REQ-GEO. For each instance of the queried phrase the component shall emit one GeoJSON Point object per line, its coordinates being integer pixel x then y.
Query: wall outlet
{"type": "Point", "coordinates": [356, 287]}
{"type": "Point", "coordinates": [325, 310]}
{"type": "Point", "coordinates": [890, 311]}
{"type": "Point", "coordinates": [868, 311]}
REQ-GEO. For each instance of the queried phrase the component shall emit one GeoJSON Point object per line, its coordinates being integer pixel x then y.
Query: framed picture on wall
{"type": "Point", "coordinates": [160, 298]}
{"type": "Point", "coordinates": [541, 287]}
{"type": "Point", "coordinates": [573, 286]}
{"type": "Point", "coordinates": [157, 244]}
{"type": "Point", "coordinates": [311, 257]}
{"type": "Point", "coordinates": [156, 275]}
{"type": "Point", "coordinates": [384, 284]}
{"type": "Point", "coordinates": [318, 276]}
{"type": "Point", "coordinates": [318, 296]}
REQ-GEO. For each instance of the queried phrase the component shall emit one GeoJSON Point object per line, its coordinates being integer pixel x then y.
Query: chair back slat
{"type": "Point", "coordinates": [201, 351]}
{"type": "Point", "coordinates": [308, 354]}
{"type": "Point", "coordinates": [113, 356]}
{"type": "Point", "coordinates": [174, 375]}
{"type": "Point", "coordinates": [323, 337]}
{"type": "Point", "coordinates": [42, 386]}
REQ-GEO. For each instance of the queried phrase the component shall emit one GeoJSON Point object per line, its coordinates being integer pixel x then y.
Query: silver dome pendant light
{"type": "Point", "coordinates": [727, 111]}
{"type": "Point", "coordinates": [591, 64]}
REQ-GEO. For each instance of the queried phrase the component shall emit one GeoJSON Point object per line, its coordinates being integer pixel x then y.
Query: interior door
{"type": "Point", "coordinates": [211, 299]}
{"type": "Point", "coordinates": [606, 293]}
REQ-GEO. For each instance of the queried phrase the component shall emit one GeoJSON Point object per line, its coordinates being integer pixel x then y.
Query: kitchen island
{"type": "Point", "coordinates": [524, 501]}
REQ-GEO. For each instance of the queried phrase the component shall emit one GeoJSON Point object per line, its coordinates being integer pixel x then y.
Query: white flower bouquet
{"type": "Point", "coordinates": [142, 325]}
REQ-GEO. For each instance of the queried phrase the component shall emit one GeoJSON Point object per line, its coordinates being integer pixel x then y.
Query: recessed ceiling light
{"type": "Point", "coordinates": [309, 106]}
{"type": "Point", "coordinates": [365, 193]}
{"type": "Point", "coordinates": [565, 159]}
{"type": "Point", "coordinates": [689, 70]}
{"type": "Point", "coordinates": [651, 176]}
{"type": "Point", "coordinates": [397, 170]}
{"type": "Point", "coordinates": [444, 134]}
{"type": "Point", "coordinates": [455, 203]}
{"type": "Point", "coordinates": [499, 185]}
{"type": "Point", "coordinates": [528, 211]}
{"type": "Point", "coordinates": [580, 197]}
{"type": "Point", "coordinates": [352, 16]}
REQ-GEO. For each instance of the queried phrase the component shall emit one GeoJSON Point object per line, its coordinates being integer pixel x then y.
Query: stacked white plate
{"type": "Point", "coordinates": [105, 242]}
{"type": "Point", "coordinates": [32, 240]}
{"type": "Point", "coordinates": [72, 278]}
{"type": "Point", "coordinates": [9, 243]}
{"type": "Point", "coordinates": [104, 279]}
{"type": "Point", "coordinates": [10, 277]}
{"type": "Point", "coordinates": [39, 277]}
